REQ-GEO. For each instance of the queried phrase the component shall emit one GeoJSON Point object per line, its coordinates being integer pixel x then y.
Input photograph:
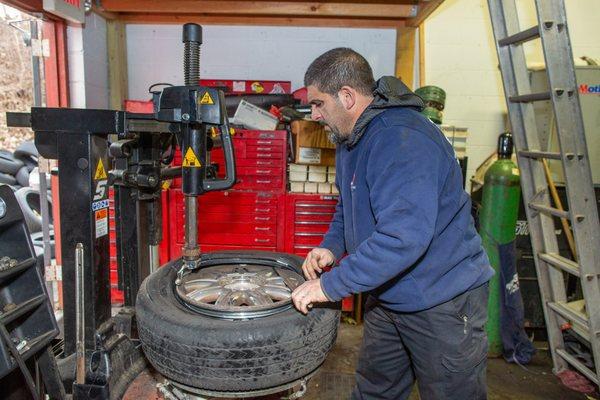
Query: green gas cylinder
{"type": "Point", "coordinates": [497, 223]}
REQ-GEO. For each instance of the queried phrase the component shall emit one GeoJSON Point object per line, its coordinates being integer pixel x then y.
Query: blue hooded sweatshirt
{"type": "Point", "coordinates": [402, 217]}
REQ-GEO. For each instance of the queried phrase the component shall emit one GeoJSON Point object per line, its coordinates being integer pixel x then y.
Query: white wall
{"type": "Point", "coordinates": [460, 56]}
{"type": "Point", "coordinates": [154, 52]}
{"type": "Point", "coordinates": [88, 64]}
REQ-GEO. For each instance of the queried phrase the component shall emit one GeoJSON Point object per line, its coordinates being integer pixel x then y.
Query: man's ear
{"type": "Point", "coordinates": [347, 96]}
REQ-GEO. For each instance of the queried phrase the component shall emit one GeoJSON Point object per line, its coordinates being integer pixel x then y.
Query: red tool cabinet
{"type": "Point", "coordinates": [307, 220]}
{"type": "Point", "coordinates": [250, 215]}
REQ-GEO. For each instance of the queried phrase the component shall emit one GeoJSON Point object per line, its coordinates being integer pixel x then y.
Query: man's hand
{"type": "Point", "coordinates": [315, 261]}
{"type": "Point", "coordinates": [308, 293]}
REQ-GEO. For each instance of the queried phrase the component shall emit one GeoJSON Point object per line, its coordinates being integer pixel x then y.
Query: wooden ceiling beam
{"type": "Point", "coordinates": [292, 9]}
{"type": "Point", "coordinates": [140, 18]}
{"type": "Point", "coordinates": [424, 10]}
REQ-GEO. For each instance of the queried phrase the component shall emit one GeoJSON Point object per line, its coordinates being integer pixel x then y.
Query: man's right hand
{"type": "Point", "coordinates": [315, 261]}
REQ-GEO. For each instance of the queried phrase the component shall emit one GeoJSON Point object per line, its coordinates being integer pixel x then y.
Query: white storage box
{"type": "Point", "coordinates": [297, 187]}
{"type": "Point", "coordinates": [320, 177]}
{"type": "Point", "coordinates": [310, 187]}
{"type": "Point", "coordinates": [324, 188]}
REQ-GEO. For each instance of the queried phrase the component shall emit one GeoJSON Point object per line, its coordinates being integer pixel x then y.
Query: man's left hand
{"type": "Point", "coordinates": [308, 293]}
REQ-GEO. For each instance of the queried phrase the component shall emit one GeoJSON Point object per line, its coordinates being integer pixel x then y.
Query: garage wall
{"type": "Point", "coordinates": [154, 52]}
{"type": "Point", "coordinates": [88, 63]}
{"type": "Point", "coordinates": [460, 56]}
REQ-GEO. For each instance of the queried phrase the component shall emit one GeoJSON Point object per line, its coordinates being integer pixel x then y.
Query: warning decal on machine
{"type": "Point", "coordinates": [101, 218]}
{"type": "Point", "coordinates": [100, 171]}
{"type": "Point", "coordinates": [206, 99]}
{"type": "Point", "coordinates": [190, 159]}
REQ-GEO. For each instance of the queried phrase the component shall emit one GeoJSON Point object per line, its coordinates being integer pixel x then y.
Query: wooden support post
{"type": "Point", "coordinates": [405, 55]}
{"type": "Point", "coordinates": [117, 63]}
{"type": "Point", "coordinates": [422, 55]}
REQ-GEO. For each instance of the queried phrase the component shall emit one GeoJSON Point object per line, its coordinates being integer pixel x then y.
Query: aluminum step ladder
{"type": "Point", "coordinates": [582, 213]}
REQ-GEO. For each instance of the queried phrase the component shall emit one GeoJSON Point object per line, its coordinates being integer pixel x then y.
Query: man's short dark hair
{"type": "Point", "coordinates": [340, 67]}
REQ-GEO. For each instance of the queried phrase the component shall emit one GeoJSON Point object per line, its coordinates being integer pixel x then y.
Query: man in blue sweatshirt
{"type": "Point", "coordinates": [404, 222]}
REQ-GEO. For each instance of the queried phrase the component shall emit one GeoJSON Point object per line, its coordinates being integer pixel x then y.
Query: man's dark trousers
{"type": "Point", "coordinates": [444, 348]}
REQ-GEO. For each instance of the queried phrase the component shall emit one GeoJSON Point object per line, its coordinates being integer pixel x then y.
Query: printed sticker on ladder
{"type": "Point", "coordinates": [101, 217]}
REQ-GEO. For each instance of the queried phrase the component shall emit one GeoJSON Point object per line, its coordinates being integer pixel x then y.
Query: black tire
{"type": "Point", "coordinates": [225, 355]}
{"type": "Point", "coordinates": [37, 239]}
{"type": "Point", "coordinates": [30, 162]}
{"type": "Point", "coordinates": [29, 201]}
{"type": "Point", "coordinates": [8, 179]}
{"type": "Point", "coordinates": [9, 164]}
{"type": "Point", "coordinates": [22, 176]}
{"type": "Point", "coordinates": [26, 149]}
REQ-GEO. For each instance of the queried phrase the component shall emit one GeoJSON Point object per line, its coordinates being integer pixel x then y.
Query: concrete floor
{"type": "Point", "coordinates": [505, 381]}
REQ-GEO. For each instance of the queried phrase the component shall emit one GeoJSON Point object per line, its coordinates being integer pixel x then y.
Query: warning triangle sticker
{"type": "Point", "coordinates": [206, 99]}
{"type": "Point", "coordinates": [190, 159]}
{"type": "Point", "coordinates": [100, 171]}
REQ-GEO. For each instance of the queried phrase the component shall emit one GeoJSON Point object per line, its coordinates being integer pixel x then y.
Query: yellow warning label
{"type": "Point", "coordinates": [100, 171]}
{"type": "Point", "coordinates": [206, 99]}
{"type": "Point", "coordinates": [190, 159]}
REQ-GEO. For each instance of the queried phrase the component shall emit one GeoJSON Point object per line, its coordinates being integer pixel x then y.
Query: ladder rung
{"type": "Point", "coordinates": [550, 210]}
{"type": "Point", "coordinates": [578, 365]}
{"type": "Point", "coordinates": [520, 37]}
{"type": "Point", "coordinates": [561, 262]}
{"type": "Point", "coordinates": [527, 98]}
{"type": "Point", "coordinates": [569, 314]}
{"type": "Point", "coordinates": [540, 154]}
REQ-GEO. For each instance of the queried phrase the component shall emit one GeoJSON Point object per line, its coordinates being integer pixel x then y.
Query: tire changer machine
{"type": "Point", "coordinates": [101, 349]}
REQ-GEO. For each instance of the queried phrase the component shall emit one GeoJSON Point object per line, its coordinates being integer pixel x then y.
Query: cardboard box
{"type": "Point", "coordinates": [298, 168]}
{"type": "Point", "coordinates": [298, 176]}
{"type": "Point", "coordinates": [297, 187]}
{"type": "Point", "coordinates": [324, 188]}
{"type": "Point", "coordinates": [320, 177]}
{"type": "Point", "coordinates": [334, 189]}
{"type": "Point", "coordinates": [310, 187]}
{"type": "Point", "coordinates": [317, 168]}
{"type": "Point", "coordinates": [311, 144]}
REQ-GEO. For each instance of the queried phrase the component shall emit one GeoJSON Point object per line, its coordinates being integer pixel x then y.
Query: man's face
{"type": "Point", "coordinates": [330, 110]}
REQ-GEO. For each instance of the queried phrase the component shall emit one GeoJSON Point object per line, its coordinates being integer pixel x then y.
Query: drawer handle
{"type": "Point", "coordinates": [258, 228]}
{"type": "Point", "coordinates": [264, 148]}
{"type": "Point", "coordinates": [259, 162]}
{"type": "Point", "coordinates": [264, 142]}
{"type": "Point", "coordinates": [261, 240]}
{"type": "Point", "coordinates": [264, 155]}
{"type": "Point", "coordinates": [306, 205]}
{"type": "Point", "coordinates": [262, 218]}
{"type": "Point", "coordinates": [263, 171]}
{"type": "Point", "coordinates": [262, 201]}
{"type": "Point", "coordinates": [262, 209]}
{"type": "Point", "coordinates": [262, 181]}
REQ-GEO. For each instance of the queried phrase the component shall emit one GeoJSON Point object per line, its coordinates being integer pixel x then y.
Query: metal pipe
{"type": "Point", "coordinates": [191, 223]}
{"type": "Point", "coordinates": [79, 314]}
{"type": "Point", "coordinates": [154, 257]}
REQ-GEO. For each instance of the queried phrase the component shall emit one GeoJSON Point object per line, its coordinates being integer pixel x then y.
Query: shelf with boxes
{"type": "Point", "coordinates": [312, 179]}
